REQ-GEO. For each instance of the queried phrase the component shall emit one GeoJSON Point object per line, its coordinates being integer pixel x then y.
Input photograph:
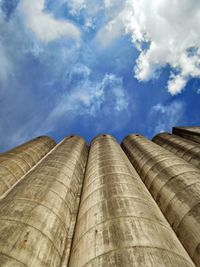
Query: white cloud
{"type": "Point", "coordinates": [90, 97]}
{"type": "Point", "coordinates": [113, 27]}
{"type": "Point", "coordinates": [176, 83]}
{"type": "Point", "coordinates": [113, 6]}
{"type": "Point", "coordinates": [171, 30]}
{"type": "Point", "coordinates": [77, 5]}
{"type": "Point", "coordinates": [109, 32]}
{"type": "Point", "coordinates": [90, 7]}
{"type": "Point", "coordinates": [167, 116]}
{"type": "Point", "coordinates": [43, 24]}
{"type": "Point", "coordinates": [108, 3]}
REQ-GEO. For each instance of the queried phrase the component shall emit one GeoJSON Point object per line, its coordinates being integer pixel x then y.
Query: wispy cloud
{"type": "Point", "coordinates": [76, 6]}
{"type": "Point", "coordinates": [109, 32]}
{"type": "Point", "coordinates": [105, 97]}
{"type": "Point", "coordinates": [166, 116]}
{"type": "Point", "coordinates": [44, 25]}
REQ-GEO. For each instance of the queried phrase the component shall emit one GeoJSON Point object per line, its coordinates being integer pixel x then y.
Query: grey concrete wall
{"type": "Point", "coordinates": [119, 223]}
{"type": "Point", "coordinates": [174, 184]}
{"type": "Point", "coordinates": [37, 216]}
{"type": "Point", "coordinates": [190, 133]}
{"type": "Point", "coordinates": [185, 149]}
{"type": "Point", "coordinates": [17, 162]}
{"type": "Point", "coordinates": [31, 151]}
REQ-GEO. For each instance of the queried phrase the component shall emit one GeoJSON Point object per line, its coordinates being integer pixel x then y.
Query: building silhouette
{"type": "Point", "coordinates": [76, 205]}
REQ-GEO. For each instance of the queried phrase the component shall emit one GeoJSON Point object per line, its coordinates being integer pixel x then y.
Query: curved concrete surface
{"type": "Point", "coordinates": [37, 216]}
{"type": "Point", "coordinates": [185, 149]}
{"type": "Point", "coordinates": [119, 224]}
{"type": "Point", "coordinates": [16, 162]}
{"type": "Point", "coordinates": [190, 133]}
{"type": "Point", "coordinates": [174, 184]}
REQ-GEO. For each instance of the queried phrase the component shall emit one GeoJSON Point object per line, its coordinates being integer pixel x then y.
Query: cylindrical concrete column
{"type": "Point", "coordinates": [18, 161]}
{"type": "Point", "coordinates": [37, 216]}
{"type": "Point", "coordinates": [185, 149]}
{"type": "Point", "coordinates": [190, 133]}
{"type": "Point", "coordinates": [119, 224]}
{"type": "Point", "coordinates": [31, 151]}
{"type": "Point", "coordinates": [174, 184]}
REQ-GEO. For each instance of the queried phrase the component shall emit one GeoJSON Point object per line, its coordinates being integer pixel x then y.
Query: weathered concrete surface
{"type": "Point", "coordinates": [38, 214]}
{"type": "Point", "coordinates": [190, 133]}
{"type": "Point", "coordinates": [119, 224]}
{"type": "Point", "coordinates": [185, 149]}
{"type": "Point", "coordinates": [174, 184]}
{"type": "Point", "coordinates": [18, 161]}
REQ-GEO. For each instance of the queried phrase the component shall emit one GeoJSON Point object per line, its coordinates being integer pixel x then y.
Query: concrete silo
{"type": "Point", "coordinates": [37, 216]}
{"type": "Point", "coordinates": [185, 149]}
{"type": "Point", "coordinates": [174, 184]}
{"type": "Point", "coordinates": [16, 162]}
{"type": "Point", "coordinates": [190, 133]}
{"type": "Point", "coordinates": [119, 223]}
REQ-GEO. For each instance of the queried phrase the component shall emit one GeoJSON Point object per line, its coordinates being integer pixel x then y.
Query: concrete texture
{"type": "Point", "coordinates": [190, 133]}
{"type": "Point", "coordinates": [174, 184]}
{"type": "Point", "coordinates": [17, 162]}
{"type": "Point", "coordinates": [37, 216]}
{"type": "Point", "coordinates": [119, 224]}
{"type": "Point", "coordinates": [185, 149]}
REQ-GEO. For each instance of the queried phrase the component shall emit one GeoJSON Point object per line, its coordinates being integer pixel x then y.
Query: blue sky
{"type": "Point", "coordinates": [97, 66]}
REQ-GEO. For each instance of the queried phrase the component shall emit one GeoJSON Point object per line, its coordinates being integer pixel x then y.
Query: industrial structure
{"type": "Point", "coordinates": [15, 163]}
{"type": "Point", "coordinates": [185, 149]}
{"type": "Point", "coordinates": [80, 205]}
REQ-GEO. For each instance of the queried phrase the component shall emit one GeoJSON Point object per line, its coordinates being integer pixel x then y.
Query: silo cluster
{"type": "Point", "coordinates": [102, 204]}
{"type": "Point", "coordinates": [37, 217]}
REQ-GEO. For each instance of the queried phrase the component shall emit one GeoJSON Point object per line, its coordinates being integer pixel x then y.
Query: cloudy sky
{"type": "Point", "coordinates": [94, 66]}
